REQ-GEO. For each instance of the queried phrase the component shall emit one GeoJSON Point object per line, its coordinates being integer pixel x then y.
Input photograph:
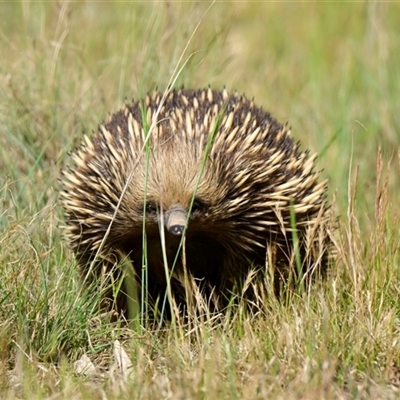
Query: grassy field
{"type": "Point", "coordinates": [330, 69]}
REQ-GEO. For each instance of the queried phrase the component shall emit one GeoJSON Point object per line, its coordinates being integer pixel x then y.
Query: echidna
{"type": "Point", "coordinates": [204, 165]}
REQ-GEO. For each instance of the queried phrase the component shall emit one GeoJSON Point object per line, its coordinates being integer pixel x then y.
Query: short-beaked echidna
{"type": "Point", "coordinates": [202, 164]}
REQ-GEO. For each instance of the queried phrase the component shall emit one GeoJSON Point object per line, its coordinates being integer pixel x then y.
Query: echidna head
{"type": "Point", "coordinates": [172, 189]}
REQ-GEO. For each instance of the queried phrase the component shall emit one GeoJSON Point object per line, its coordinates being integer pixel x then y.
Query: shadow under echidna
{"type": "Point", "coordinates": [194, 186]}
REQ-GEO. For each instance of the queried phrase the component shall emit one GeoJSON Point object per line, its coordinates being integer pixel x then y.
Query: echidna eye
{"type": "Point", "coordinates": [198, 206]}
{"type": "Point", "coordinates": [151, 208]}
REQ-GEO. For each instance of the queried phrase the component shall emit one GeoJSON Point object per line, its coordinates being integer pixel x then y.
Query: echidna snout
{"type": "Point", "coordinates": [175, 219]}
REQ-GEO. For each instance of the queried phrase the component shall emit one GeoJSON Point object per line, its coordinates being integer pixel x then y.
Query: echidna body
{"type": "Point", "coordinates": [204, 165]}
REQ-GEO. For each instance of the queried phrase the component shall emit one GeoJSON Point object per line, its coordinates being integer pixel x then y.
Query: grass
{"type": "Point", "coordinates": [330, 69]}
